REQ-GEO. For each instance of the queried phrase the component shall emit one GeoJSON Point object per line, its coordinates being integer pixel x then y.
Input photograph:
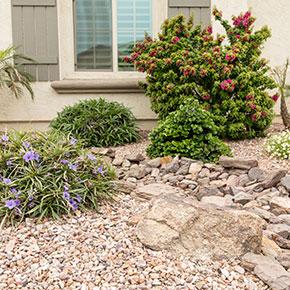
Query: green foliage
{"type": "Point", "coordinates": [188, 132]}
{"type": "Point", "coordinates": [11, 76]}
{"type": "Point", "coordinates": [279, 145]}
{"type": "Point", "coordinates": [98, 122]}
{"type": "Point", "coordinates": [47, 175]}
{"type": "Point", "coordinates": [230, 79]}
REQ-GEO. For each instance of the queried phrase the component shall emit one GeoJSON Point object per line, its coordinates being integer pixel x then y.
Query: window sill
{"type": "Point", "coordinates": [77, 86]}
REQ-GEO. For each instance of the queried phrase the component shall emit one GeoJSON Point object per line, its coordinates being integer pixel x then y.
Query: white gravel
{"type": "Point", "coordinates": [100, 251]}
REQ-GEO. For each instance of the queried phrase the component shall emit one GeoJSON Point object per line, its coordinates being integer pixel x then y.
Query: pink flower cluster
{"type": "Point", "coordinates": [243, 20]}
{"type": "Point", "coordinates": [175, 39]}
{"type": "Point", "coordinates": [275, 97]}
{"type": "Point", "coordinates": [249, 97]}
{"type": "Point", "coordinates": [227, 85]}
{"type": "Point", "coordinates": [230, 57]}
{"type": "Point", "coordinates": [206, 97]}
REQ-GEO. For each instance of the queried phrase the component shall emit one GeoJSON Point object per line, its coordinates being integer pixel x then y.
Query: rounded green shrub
{"type": "Point", "coordinates": [279, 145]}
{"type": "Point", "coordinates": [47, 175]}
{"type": "Point", "coordinates": [188, 132]}
{"type": "Point", "coordinates": [98, 123]}
{"type": "Point", "coordinates": [228, 78]}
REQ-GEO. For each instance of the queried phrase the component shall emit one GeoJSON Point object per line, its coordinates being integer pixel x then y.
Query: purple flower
{"type": "Point", "coordinates": [73, 167]}
{"type": "Point", "coordinates": [9, 162]}
{"type": "Point", "coordinates": [7, 181]}
{"type": "Point", "coordinates": [100, 170]}
{"type": "Point", "coordinates": [30, 198]}
{"type": "Point", "coordinates": [4, 138]}
{"type": "Point", "coordinates": [31, 204]}
{"type": "Point", "coordinates": [31, 156]}
{"type": "Point", "coordinates": [78, 198]}
{"type": "Point", "coordinates": [26, 144]}
{"type": "Point", "coordinates": [65, 188]}
{"type": "Point", "coordinates": [12, 203]}
{"type": "Point", "coordinates": [64, 161]}
{"type": "Point", "coordinates": [91, 156]}
{"type": "Point", "coordinates": [73, 141]}
{"type": "Point", "coordinates": [13, 190]}
{"type": "Point", "coordinates": [66, 195]}
{"type": "Point", "coordinates": [73, 204]}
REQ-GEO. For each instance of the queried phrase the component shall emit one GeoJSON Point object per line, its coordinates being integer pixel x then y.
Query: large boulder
{"type": "Point", "coordinates": [199, 230]}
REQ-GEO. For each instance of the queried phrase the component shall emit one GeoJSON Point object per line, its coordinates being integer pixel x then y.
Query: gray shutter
{"type": "Point", "coordinates": [200, 9]}
{"type": "Point", "coordinates": [35, 34]}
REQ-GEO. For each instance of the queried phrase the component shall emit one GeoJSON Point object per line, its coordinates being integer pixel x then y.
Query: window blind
{"type": "Point", "coordinates": [134, 19]}
{"type": "Point", "coordinates": [94, 34]}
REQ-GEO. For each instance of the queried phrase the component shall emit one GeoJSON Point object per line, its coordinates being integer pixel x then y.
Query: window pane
{"type": "Point", "coordinates": [94, 34]}
{"type": "Point", "coordinates": [134, 19]}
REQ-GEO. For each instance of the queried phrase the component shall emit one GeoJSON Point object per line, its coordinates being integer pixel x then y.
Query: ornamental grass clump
{"type": "Point", "coordinates": [98, 123]}
{"type": "Point", "coordinates": [279, 145]}
{"type": "Point", "coordinates": [188, 132]}
{"type": "Point", "coordinates": [228, 78]}
{"type": "Point", "coordinates": [48, 175]}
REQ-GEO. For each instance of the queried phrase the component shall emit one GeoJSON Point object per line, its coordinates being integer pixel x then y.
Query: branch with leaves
{"type": "Point", "coordinates": [11, 75]}
{"type": "Point", "coordinates": [280, 75]}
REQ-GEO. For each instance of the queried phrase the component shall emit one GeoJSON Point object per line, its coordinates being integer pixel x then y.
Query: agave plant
{"type": "Point", "coordinates": [11, 75]}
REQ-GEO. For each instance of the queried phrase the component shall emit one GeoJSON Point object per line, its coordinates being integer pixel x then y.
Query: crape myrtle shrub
{"type": "Point", "coordinates": [98, 123]}
{"type": "Point", "coordinates": [226, 73]}
{"type": "Point", "coordinates": [188, 132]}
{"type": "Point", "coordinates": [47, 175]}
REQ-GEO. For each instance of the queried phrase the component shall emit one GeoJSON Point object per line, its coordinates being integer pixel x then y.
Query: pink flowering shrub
{"type": "Point", "coordinates": [229, 79]}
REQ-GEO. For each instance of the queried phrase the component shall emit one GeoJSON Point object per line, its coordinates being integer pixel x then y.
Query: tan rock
{"type": "Point", "coordinates": [147, 192]}
{"type": "Point", "coordinates": [198, 230]}
{"type": "Point", "coordinates": [280, 205]}
{"type": "Point", "coordinates": [270, 248]}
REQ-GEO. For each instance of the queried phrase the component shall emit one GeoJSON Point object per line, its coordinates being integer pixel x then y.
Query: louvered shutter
{"type": "Point", "coordinates": [35, 35]}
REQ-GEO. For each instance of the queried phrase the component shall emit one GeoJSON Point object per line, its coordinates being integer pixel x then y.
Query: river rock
{"type": "Point", "coordinates": [268, 270]}
{"type": "Point", "coordinates": [218, 201]}
{"type": "Point", "coordinates": [238, 163]}
{"type": "Point", "coordinates": [135, 157]}
{"type": "Point", "coordinates": [197, 230]}
{"type": "Point", "coordinates": [256, 173]}
{"type": "Point", "coordinates": [280, 205]}
{"type": "Point", "coordinates": [282, 230]}
{"type": "Point", "coordinates": [274, 178]}
{"type": "Point", "coordinates": [149, 191]}
{"type": "Point", "coordinates": [285, 181]}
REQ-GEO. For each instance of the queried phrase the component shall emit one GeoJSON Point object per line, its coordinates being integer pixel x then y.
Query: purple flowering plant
{"type": "Point", "coordinates": [40, 176]}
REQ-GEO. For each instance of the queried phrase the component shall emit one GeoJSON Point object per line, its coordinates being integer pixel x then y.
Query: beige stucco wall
{"type": "Point", "coordinates": [26, 113]}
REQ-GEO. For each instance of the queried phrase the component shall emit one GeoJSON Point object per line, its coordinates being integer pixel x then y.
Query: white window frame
{"type": "Point", "coordinates": [67, 41]}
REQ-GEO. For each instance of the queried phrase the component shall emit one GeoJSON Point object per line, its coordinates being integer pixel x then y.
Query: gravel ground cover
{"type": "Point", "coordinates": [100, 251]}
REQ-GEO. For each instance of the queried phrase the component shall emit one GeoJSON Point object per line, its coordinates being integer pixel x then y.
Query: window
{"type": "Point", "coordinates": [106, 31]}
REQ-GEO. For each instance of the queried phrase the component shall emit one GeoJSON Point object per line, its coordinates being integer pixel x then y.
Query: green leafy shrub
{"type": "Point", "coordinates": [230, 79]}
{"type": "Point", "coordinates": [49, 175]}
{"type": "Point", "coordinates": [188, 132]}
{"type": "Point", "coordinates": [98, 123]}
{"type": "Point", "coordinates": [279, 145]}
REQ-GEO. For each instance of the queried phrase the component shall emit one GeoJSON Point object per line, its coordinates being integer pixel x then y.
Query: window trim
{"type": "Point", "coordinates": [66, 25]}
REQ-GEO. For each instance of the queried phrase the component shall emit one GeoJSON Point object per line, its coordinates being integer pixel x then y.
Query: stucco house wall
{"type": "Point", "coordinates": [26, 114]}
